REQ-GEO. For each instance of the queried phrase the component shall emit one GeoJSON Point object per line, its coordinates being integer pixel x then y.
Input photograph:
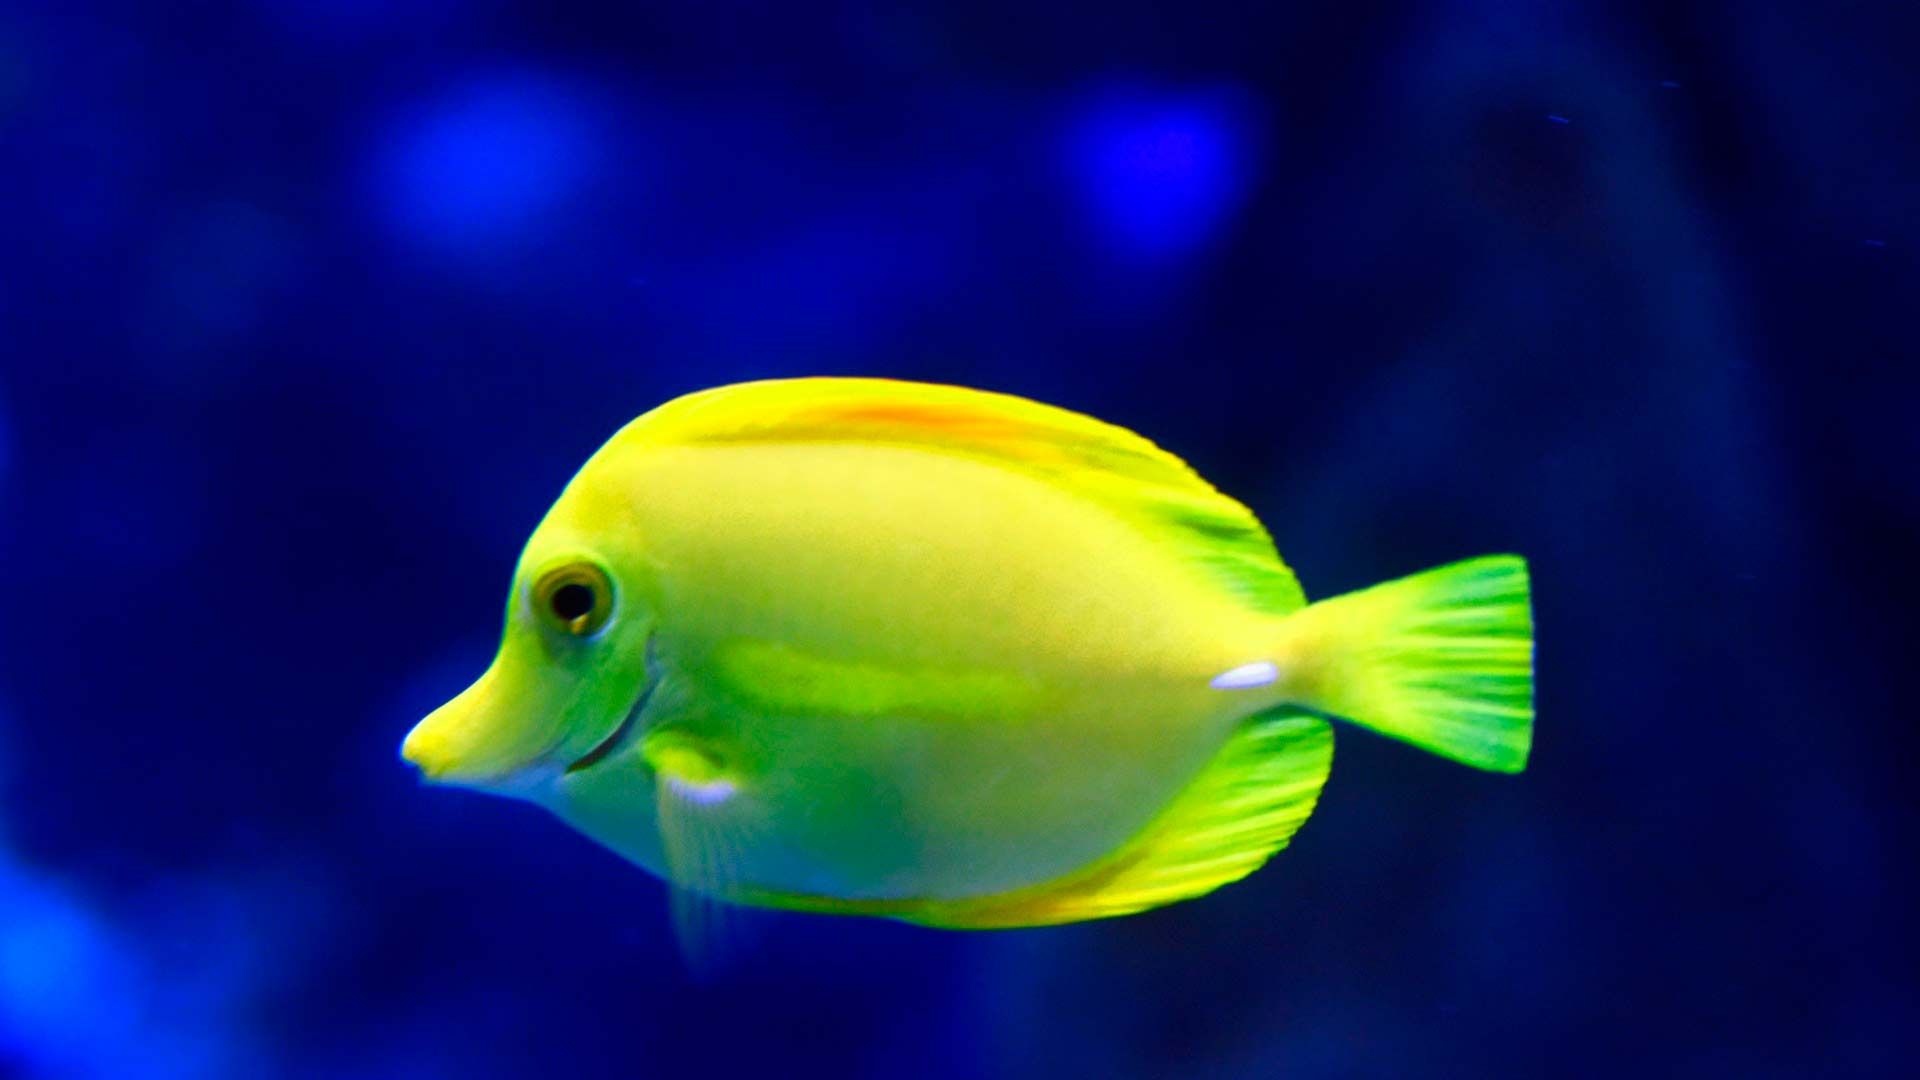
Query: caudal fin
{"type": "Point", "coordinates": [1442, 659]}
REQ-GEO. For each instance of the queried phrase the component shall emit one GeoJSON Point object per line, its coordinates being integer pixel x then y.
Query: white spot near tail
{"type": "Point", "coordinates": [1246, 676]}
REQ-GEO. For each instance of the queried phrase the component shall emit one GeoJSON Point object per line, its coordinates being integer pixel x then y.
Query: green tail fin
{"type": "Point", "coordinates": [1442, 659]}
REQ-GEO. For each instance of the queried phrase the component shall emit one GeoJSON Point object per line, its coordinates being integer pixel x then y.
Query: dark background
{"type": "Point", "coordinates": [308, 310]}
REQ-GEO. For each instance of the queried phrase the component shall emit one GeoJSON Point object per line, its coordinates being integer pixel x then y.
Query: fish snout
{"type": "Point", "coordinates": [428, 748]}
{"type": "Point", "coordinates": [479, 739]}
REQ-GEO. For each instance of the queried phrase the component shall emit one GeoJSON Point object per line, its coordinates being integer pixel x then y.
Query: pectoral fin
{"type": "Point", "coordinates": [703, 831]}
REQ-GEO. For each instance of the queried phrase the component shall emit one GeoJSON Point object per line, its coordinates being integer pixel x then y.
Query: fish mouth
{"type": "Point", "coordinates": [628, 731]}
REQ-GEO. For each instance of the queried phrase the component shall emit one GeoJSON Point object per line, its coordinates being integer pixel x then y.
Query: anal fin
{"type": "Point", "coordinates": [1246, 805]}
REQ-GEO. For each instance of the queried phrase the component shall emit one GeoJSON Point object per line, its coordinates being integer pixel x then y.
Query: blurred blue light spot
{"type": "Point", "coordinates": [1558, 119]}
{"type": "Point", "coordinates": [486, 166]}
{"type": "Point", "coordinates": [61, 983]}
{"type": "Point", "coordinates": [1157, 175]}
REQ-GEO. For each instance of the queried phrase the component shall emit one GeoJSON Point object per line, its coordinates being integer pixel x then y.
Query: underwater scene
{"type": "Point", "coordinates": [963, 540]}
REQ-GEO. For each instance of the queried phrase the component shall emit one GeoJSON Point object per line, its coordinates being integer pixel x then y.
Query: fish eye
{"type": "Point", "coordinates": [571, 601]}
{"type": "Point", "coordinates": [576, 598]}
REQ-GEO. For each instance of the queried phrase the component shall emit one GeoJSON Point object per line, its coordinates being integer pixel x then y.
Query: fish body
{"type": "Point", "coordinates": [948, 656]}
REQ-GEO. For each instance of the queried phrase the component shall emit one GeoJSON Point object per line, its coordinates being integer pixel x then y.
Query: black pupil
{"type": "Point", "coordinates": [570, 602]}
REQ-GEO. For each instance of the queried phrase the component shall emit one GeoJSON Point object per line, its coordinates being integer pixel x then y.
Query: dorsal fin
{"type": "Point", "coordinates": [1122, 470]}
{"type": "Point", "coordinates": [1245, 806]}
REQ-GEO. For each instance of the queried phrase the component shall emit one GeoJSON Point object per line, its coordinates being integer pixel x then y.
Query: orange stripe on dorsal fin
{"type": "Point", "coordinates": [951, 419]}
{"type": "Point", "coordinates": [950, 422]}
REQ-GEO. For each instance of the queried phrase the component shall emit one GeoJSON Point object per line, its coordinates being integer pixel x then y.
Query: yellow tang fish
{"type": "Point", "coordinates": [950, 657]}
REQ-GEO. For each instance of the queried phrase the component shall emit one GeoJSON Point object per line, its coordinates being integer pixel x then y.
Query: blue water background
{"type": "Point", "coordinates": [308, 309]}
